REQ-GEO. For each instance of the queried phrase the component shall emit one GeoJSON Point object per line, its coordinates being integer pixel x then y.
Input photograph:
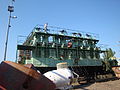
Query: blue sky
{"type": "Point", "coordinates": [97, 16]}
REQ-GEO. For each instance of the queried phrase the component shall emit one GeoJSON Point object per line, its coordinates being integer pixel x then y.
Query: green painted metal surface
{"type": "Point", "coordinates": [45, 49]}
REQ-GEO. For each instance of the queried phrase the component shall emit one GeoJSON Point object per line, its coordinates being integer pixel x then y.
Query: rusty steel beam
{"type": "Point", "coordinates": [15, 76]}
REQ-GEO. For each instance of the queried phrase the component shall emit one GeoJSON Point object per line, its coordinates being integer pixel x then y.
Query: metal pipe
{"type": "Point", "coordinates": [7, 36]}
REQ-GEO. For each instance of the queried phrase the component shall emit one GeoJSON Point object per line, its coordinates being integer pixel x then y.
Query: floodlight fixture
{"type": "Point", "coordinates": [14, 17]}
{"type": "Point", "coordinates": [11, 8]}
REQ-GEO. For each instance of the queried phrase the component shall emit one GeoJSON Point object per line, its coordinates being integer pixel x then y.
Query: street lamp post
{"type": "Point", "coordinates": [10, 9]}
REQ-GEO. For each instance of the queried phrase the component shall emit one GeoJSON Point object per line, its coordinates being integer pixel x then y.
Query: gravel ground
{"type": "Point", "coordinates": [109, 85]}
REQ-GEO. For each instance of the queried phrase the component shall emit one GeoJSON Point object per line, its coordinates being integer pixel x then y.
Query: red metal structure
{"type": "Point", "coordinates": [15, 76]}
{"type": "Point", "coordinates": [116, 70]}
